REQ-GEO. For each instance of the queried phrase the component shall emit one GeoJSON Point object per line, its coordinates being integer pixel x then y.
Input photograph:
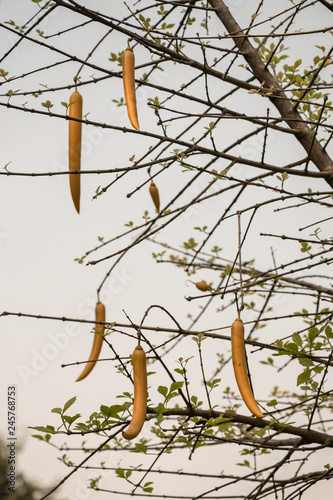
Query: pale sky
{"type": "Point", "coordinates": [41, 235]}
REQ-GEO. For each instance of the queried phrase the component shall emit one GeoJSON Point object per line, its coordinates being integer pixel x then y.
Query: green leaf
{"type": "Point", "coordinates": [291, 346]}
{"type": "Point", "coordinates": [159, 419]}
{"type": "Point", "coordinates": [160, 408]}
{"type": "Point", "coordinates": [37, 436]}
{"type": "Point", "coordinates": [328, 332]}
{"type": "Point", "coordinates": [139, 448]}
{"type": "Point", "coordinates": [313, 332]}
{"type": "Point", "coordinates": [82, 427]}
{"type": "Point", "coordinates": [111, 411]}
{"type": "Point", "coordinates": [304, 377]}
{"type": "Point", "coordinates": [261, 432]}
{"type": "Point", "coordinates": [120, 473]}
{"type": "Point", "coordinates": [12, 92]}
{"type": "Point", "coordinates": [175, 386]}
{"type": "Point", "coordinates": [49, 428]}
{"type": "Point", "coordinates": [305, 361]}
{"type": "Point", "coordinates": [69, 419]}
{"type": "Point", "coordinates": [57, 410]}
{"type": "Point", "coordinates": [214, 382]}
{"type": "Point", "coordinates": [246, 463]}
{"type": "Point", "coordinates": [305, 247]}
{"type": "Point", "coordinates": [216, 249]}
{"type": "Point", "coordinates": [105, 410]}
{"type": "Point", "coordinates": [218, 420]}
{"type": "Point", "coordinates": [155, 103]}
{"type": "Point", "coordinates": [190, 244]}
{"type": "Point", "coordinates": [113, 57]}
{"type": "Point", "coordinates": [47, 104]}
{"type": "Point", "coordinates": [147, 488]}
{"type": "Point", "coordinates": [3, 73]}
{"type": "Point", "coordinates": [69, 403]}
{"type": "Point", "coordinates": [297, 339]}
{"type": "Point", "coordinates": [162, 390]}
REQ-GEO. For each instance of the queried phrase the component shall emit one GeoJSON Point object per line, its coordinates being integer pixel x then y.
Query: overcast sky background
{"type": "Point", "coordinates": [41, 234]}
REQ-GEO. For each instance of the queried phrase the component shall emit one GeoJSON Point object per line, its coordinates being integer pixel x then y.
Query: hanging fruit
{"type": "Point", "coordinates": [98, 340]}
{"type": "Point", "coordinates": [140, 393]}
{"type": "Point", "coordinates": [129, 86]}
{"type": "Point", "coordinates": [74, 146]}
{"type": "Point", "coordinates": [240, 368]}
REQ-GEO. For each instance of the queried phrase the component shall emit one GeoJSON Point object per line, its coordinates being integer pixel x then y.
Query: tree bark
{"type": "Point", "coordinates": [275, 93]}
{"type": "Point", "coordinates": [307, 436]}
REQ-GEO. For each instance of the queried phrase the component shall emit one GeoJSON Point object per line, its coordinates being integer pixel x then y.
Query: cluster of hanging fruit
{"type": "Point", "coordinates": [139, 374]}
{"type": "Point", "coordinates": [75, 129]}
{"type": "Point", "coordinates": [138, 355]}
{"type": "Point", "coordinates": [140, 370]}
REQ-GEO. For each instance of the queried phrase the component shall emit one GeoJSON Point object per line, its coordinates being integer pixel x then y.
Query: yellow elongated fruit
{"type": "Point", "coordinates": [140, 393]}
{"type": "Point", "coordinates": [74, 146]}
{"type": "Point", "coordinates": [129, 86]}
{"type": "Point", "coordinates": [240, 369]}
{"type": "Point", "coordinates": [202, 286]}
{"type": "Point", "coordinates": [98, 341]}
{"type": "Point", "coordinates": [155, 195]}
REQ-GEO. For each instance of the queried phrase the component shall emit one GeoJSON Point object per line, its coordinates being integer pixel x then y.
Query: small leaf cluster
{"type": "Point", "coordinates": [117, 57]}
{"type": "Point", "coordinates": [292, 74]}
{"type": "Point", "coordinates": [171, 392]}
{"type": "Point", "coordinates": [98, 421]}
{"type": "Point", "coordinates": [317, 339]}
{"type": "Point", "coordinates": [66, 420]}
{"type": "Point", "coordinates": [126, 474]}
